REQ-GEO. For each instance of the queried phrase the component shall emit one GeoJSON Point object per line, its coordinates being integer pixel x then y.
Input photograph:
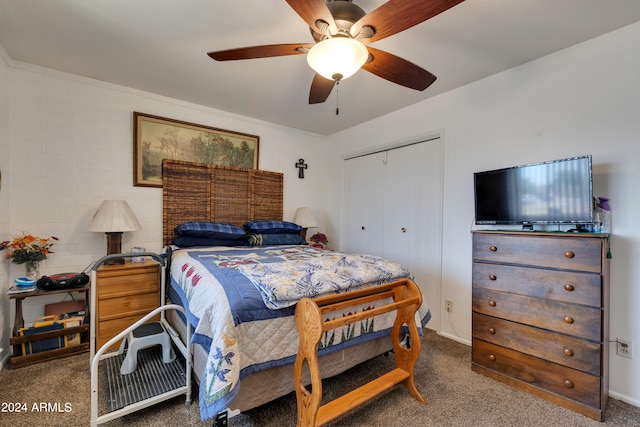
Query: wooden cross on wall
{"type": "Point", "coordinates": [301, 167]}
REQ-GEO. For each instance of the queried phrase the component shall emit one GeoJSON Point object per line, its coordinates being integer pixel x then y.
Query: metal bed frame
{"type": "Point", "coordinates": [154, 381]}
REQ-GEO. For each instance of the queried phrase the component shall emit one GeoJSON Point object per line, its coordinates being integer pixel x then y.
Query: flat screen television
{"type": "Point", "coordinates": [553, 192]}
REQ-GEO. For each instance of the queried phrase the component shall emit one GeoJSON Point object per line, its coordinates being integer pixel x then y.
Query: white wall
{"type": "Point", "coordinates": [4, 197]}
{"type": "Point", "coordinates": [583, 100]}
{"type": "Point", "coordinates": [67, 144]}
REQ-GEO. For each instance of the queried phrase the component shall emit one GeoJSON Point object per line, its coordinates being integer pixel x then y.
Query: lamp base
{"type": "Point", "coordinates": [114, 246]}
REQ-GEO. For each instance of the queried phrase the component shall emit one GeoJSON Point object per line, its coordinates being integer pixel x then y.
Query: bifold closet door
{"type": "Point", "coordinates": [363, 204]}
{"type": "Point", "coordinates": [413, 215]}
{"type": "Point", "coordinates": [393, 208]}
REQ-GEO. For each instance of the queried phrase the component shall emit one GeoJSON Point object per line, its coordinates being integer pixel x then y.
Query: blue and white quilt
{"type": "Point", "coordinates": [242, 300]}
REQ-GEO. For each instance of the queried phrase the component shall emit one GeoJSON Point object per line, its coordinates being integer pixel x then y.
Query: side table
{"type": "Point", "coordinates": [18, 359]}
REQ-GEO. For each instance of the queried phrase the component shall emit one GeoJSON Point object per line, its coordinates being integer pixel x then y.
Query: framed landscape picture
{"type": "Point", "coordinates": [157, 138]}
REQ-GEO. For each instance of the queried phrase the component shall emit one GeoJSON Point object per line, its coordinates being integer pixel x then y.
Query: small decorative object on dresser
{"type": "Point", "coordinates": [320, 240]}
{"type": "Point", "coordinates": [137, 250]}
{"type": "Point", "coordinates": [541, 315]}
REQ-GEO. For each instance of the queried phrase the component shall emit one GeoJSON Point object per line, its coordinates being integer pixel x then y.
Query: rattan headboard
{"type": "Point", "coordinates": [201, 192]}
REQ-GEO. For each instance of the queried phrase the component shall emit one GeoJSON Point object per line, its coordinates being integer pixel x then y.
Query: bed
{"type": "Point", "coordinates": [244, 351]}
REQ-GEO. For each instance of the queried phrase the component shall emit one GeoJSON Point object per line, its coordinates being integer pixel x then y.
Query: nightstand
{"type": "Point", "coordinates": [124, 293]}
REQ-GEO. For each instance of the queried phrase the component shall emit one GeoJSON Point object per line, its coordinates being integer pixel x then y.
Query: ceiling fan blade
{"type": "Point", "coordinates": [395, 16]}
{"type": "Point", "coordinates": [320, 89]}
{"type": "Point", "coordinates": [398, 70]}
{"type": "Point", "coordinates": [312, 10]}
{"type": "Point", "coordinates": [265, 51]}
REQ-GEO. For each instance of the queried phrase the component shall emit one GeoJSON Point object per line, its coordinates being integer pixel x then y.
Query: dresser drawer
{"type": "Point", "coordinates": [579, 254]}
{"type": "Point", "coordinates": [135, 304]}
{"type": "Point", "coordinates": [567, 286]}
{"type": "Point", "coordinates": [572, 352]}
{"type": "Point", "coordinates": [571, 319]}
{"type": "Point", "coordinates": [110, 328]}
{"type": "Point", "coordinates": [113, 286]}
{"type": "Point", "coordinates": [540, 373]}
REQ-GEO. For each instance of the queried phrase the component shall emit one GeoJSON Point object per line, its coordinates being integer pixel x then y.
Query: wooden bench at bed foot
{"type": "Point", "coordinates": [310, 324]}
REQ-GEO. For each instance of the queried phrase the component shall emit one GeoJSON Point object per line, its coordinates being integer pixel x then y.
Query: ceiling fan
{"type": "Point", "coordinates": [342, 29]}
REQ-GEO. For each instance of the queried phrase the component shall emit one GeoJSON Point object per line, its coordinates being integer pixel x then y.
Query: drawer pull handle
{"type": "Point", "coordinates": [568, 352]}
{"type": "Point", "coordinates": [493, 248]}
{"type": "Point", "coordinates": [568, 384]}
{"type": "Point", "coordinates": [492, 331]}
{"type": "Point", "coordinates": [492, 303]}
{"type": "Point", "coordinates": [569, 287]}
{"type": "Point", "coordinates": [492, 357]}
{"type": "Point", "coordinates": [492, 277]}
{"type": "Point", "coordinates": [568, 319]}
{"type": "Point", "coordinates": [569, 254]}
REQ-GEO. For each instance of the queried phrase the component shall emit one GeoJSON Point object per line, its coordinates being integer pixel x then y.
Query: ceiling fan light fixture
{"type": "Point", "coordinates": [337, 58]}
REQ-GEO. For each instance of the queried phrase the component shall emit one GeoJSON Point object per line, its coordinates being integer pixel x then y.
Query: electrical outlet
{"type": "Point", "coordinates": [449, 305]}
{"type": "Point", "coordinates": [623, 348]}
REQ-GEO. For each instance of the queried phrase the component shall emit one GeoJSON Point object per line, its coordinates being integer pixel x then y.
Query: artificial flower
{"type": "Point", "coordinates": [319, 238]}
{"type": "Point", "coordinates": [27, 248]}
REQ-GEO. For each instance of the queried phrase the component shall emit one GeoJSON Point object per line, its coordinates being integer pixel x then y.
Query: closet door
{"type": "Point", "coordinates": [393, 208]}
{"type": "Point", "coordinates": [413, 215]}
{"type": "Point", "coordinates": [363, 203]}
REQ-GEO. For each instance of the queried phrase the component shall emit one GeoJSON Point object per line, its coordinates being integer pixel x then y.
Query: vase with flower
{"type": "Point", "coordinates": [319, 240]}
{"type": "Point", "coordinates": [28, 250]}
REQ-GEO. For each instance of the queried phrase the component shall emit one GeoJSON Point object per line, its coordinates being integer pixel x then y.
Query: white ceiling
{"type": "Point", "coordinates": [160, 46]}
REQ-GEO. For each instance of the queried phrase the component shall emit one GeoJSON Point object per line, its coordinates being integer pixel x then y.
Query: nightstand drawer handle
{"type": "Point", "coordinates": [492, 357]}
{"type": "Point", "coordinates": [568, 384]}
{"type": "Point", "coordinates": [492, 303]}
{"type": "Point", "coordinates": [568, 319]}
{"type": "Point", "coordinates": [492, 277]}
{"type": "Point", "coordinates": [568, 352]}
{"type": "Point", "coordinates": [569, 254]}
{"type": "Point", "coordinates": [569, 287]}
{"type": "Point", "coordinates": [493, 248]}
{"type": "Point", "coordinates": [492, 331]}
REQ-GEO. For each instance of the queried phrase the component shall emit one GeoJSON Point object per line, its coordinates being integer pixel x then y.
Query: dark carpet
{"type": "Point", "coordinates": [57, 394]}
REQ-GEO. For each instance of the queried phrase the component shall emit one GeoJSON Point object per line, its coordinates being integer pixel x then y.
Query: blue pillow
{"type": "Point", "coordinates": [189, 242]}
{"type": "Point", "coordinates": [218, 230]}
{"type": "Point", "coordinates": [275, 239]}
{"type": "Point", "coordinates": [272, 227]}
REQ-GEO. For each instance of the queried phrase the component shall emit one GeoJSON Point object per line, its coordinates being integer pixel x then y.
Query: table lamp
{"type": "Point", "coordinates": [305, 219]}
{"type": "Point", "coordinates": [114, 217]}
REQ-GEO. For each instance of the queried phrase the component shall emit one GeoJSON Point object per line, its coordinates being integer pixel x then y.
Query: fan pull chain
{"type": "Point", "coordinates": [337, 97]}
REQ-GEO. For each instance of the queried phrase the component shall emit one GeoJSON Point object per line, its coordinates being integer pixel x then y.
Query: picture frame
{"type": "Point", "coordinates": [156, 138]}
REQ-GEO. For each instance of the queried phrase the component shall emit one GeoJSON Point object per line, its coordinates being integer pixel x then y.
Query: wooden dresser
{"type": "Point", "coordinates": [124, 294]}
{"type": "Point", "coordinates": [541, 315]}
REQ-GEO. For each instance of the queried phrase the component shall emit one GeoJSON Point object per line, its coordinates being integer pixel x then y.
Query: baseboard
{"type": "Point", "coordinates": [455, 338]}
{"type": "Point", "coordinates": [624, 398]}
